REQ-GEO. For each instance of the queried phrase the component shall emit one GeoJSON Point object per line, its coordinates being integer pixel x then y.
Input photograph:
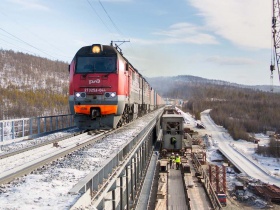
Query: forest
{"type": "Point", "coordinates": [242, 111]}
{"type": "Point", "coordinates": [33, 86]}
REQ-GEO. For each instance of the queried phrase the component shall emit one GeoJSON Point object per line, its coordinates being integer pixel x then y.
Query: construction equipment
{"type": "Point", "coordinates": [275, 53]}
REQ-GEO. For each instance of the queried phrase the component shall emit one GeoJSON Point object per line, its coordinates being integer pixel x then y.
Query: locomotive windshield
{"type": "Point", "coordinates": [96, 64]}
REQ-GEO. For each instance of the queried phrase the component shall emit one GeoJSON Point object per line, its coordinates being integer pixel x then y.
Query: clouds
{"type": "Point", "coordinates": [245, 23]}
{"type": "Point", "coordinates": [230, 60]}
{"type": "Point", "coordinates": [196, 37]}
{"type": "Point", "coordinates": [30, 4]}
{"type": "Point", "coordinates": [115, 1]}
{"type": "Point", "coordinates": [180, 33]}
{"type": "Point", "coordinates": [186, 33]}
{"type": "Point", "coordinates": [218, 36]}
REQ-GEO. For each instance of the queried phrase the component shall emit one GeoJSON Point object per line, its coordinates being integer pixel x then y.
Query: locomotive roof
{"type": "Point", "coordinates": [107, 50]}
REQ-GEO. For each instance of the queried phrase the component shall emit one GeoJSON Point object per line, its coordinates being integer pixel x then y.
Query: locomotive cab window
{"type": "Point", "coordinates": [96, 65]}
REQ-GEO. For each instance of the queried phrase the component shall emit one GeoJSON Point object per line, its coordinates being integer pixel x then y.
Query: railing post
{"type": "Point", "coordinates": [13, 130]}
{"type": "Point", "coordinates": [121, 192]}
{"type": "Point", "coordinates": [30, 126]}
{"type": "Point", "coordinates": [127, 189]}
{"type": "Point", "coordinates": [51, 123]}
{"type": "Point", "coordinates": [2, 131]}
{"type": "Point", "coordinates": [56, 124]}
{"type": "Point", "coordinates": [45, 124]}
{"type": "Point", "coordinates": [22, 128]}
{"type": "Point", "coordinates": [38, 125]}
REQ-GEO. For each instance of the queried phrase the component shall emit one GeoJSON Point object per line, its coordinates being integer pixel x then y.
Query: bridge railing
{"type": "Point", "coordinates": [31, 127]}
{"type": "Point", "coordinates": [207, 184]}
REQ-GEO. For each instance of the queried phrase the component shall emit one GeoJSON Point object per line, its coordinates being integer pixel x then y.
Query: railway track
{"type": "Point", "coordinates": [55, 175]}
{"type": "Point", "coordinates": [32, 145]}
{"type": "Point", "coordinates": [22, 162]}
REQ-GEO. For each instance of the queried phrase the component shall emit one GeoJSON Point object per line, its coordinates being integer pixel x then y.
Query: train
{"type": "Point", "coordinates": [106, 91]}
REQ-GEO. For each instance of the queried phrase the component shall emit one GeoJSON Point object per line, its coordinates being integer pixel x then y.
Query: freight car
{"type": "Point", "coordinates": [105, 90]}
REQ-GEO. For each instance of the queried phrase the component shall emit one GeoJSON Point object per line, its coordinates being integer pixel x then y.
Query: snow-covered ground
{"type": "Point", "coordinates": [247, 149]}
{"type": "Point", "coordinates": [216, 133]}
{"type": "Point", "coordinates": [48, 188]}
{"type": "Point", "coordinates": [272, 165]}
{"type": "Point", "coordinates": [30, 192]}
{"type": "Point", "coordinates": [189, 120]}
{"type": "Point", "coordinates": [16, 144]}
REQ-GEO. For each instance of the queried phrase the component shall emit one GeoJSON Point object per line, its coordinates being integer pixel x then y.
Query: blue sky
{"type": "Point", "coordinates": [226, 40]}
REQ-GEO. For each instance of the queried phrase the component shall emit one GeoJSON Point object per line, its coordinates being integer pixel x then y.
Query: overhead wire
{"type": "Point", "coordinates": [99, 16]}
{"type": "Point", "coordinates": [46, 53]}
{"type": "Point", "coordinates": [14, 39]}
{"type": "Point", "coordinates": [107, 13]}
{"type": "Point", "coordinates": [16, 46]}
{"type": "Point", "coordinates": [110, 18]}
{"type": "Point", "coordinates": [26, 43]}
{"type": "Point", "coordinates": [35, 35]}
{"type": "Point", "coordinates": [9, 37]}
{"type": "Point", "coordinates": [114, 24]}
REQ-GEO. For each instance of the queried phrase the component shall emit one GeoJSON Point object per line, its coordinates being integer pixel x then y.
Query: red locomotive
{"type": "Point", "coordinates": [105, 90]}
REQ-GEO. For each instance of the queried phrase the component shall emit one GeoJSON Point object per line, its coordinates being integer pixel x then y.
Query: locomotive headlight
{"type": "Point", "coordinates": [80, 95]}
{"type": "Point", "coordinates": [96, 48]}
{"type": "Point", "coordinates": [110, 94]}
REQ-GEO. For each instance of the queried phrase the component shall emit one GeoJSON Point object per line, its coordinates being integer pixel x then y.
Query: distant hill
{"type": "Point", "coordinates": [32, 86]}
{"type": "Point", "coordinates": [181, 80]}
{"type": "Point", "coordinates": [28, 72]}
{"type": "Point", "coordinates": [35, 86]}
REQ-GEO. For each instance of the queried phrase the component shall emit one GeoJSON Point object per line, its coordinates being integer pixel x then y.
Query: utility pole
{"type": "Point", "coordinates": [275, 57]}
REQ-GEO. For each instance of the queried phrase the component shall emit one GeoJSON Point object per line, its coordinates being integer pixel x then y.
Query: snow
{"type": "Point", "coordinates": [48, 187]}
{"type": "Point", "coordinates": [16, 144]}
{"type": "Point", "coordinates": [248, 149]}
{"type": "Point", "coordinates": [189, 120]}
{"type": "Point", "coordinates": [218, 136]}
{"type": "Point", "coordinates": [31, 190]}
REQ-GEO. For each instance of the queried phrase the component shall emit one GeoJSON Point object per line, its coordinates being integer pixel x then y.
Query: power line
{"type": "Point", "coordinates": [15, 45]}
{"type": "Point", "coordinates": [110, 18]}
{"type": "Point", "coordinates": [26, 43]}
{"type": "Point", "coordinates": [131, 47]}
{"type": "Point", "coordinates": [9, 37]}
{"type": "Point", "coordinates": [99, 16]}
{"type": "Point", "coordinates": [35, 35]}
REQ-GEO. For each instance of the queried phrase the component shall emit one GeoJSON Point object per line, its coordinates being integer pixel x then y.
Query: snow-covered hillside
{"type": "Point", "coordinates": [27, 72]}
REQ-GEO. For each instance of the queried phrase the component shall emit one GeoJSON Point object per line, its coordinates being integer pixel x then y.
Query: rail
{"type": "Point", "coordinates": [28, 167]}
{"type": "Point", "coordinates": [253, 162]}
{"type": "Point", "coordinates": [207, 184]}
{"type": "Point", "coordinates": [116, 184]}
{"type": "Point", "coordinates": [33, 127]}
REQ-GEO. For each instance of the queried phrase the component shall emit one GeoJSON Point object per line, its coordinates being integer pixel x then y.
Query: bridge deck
{"type": "Point", "coordinates": [176, 194]}
{"type": "Point", "coordinates": [197, 195]}
{"type": "Point", "coordinates": [146, 190]}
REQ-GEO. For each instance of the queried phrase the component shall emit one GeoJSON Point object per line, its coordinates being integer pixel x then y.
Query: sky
{"type": "Point", "coordinates": [227, 40]}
